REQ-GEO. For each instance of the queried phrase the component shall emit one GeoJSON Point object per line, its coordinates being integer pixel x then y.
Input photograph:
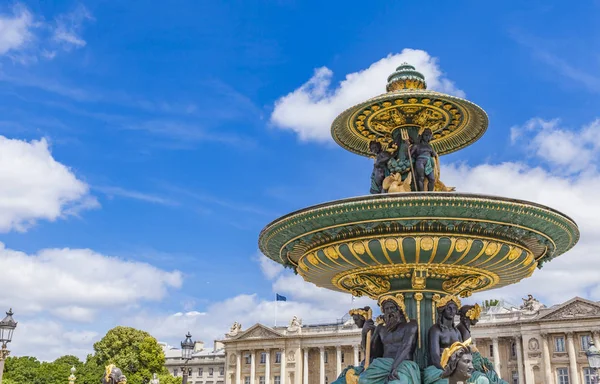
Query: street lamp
{"type": "Point", "coordinates": [187, 347]}
{"type": "Point", "coordinates": [72, 377]}
{"type": "Point", "coordinates": [7, 327]}
{"type": "Point", "coordinates": [593, 356]}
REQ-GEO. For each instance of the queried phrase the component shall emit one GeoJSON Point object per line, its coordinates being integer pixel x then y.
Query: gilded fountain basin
{"type": "Point", "coordinates": [447, 243]}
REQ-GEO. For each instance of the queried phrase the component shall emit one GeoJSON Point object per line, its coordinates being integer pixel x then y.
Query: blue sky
{"type": "Point", "coordinates": [146, 144]}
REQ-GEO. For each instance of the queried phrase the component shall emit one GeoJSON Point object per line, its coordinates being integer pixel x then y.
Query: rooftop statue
{"type": "Point", "coordinates": [393, 345]}
{"type": "Point", "coordinates": [531, 304]}
{"type": "Point", "coordinates": [295, 325]}
{"type": "Point", "coordinates": [234, 330]}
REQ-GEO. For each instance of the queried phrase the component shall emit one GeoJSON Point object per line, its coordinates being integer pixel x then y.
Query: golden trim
{"type": "Point", "coordinates": [361, 312]}
{"type": "Point", "coordinates": [434, 299]}
{"type": "Point", "coordinates": [428, 233]}
{"type": "Point", "coordinates": [418, 297]}
{"type": "Point", "coordinates": [446, 299]}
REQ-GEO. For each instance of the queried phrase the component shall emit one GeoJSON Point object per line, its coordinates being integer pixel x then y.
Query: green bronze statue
{"type": "Point", "coordinates": [392, 346]}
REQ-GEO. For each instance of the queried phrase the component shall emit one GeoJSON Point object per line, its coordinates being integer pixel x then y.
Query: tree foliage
{"type": "Point", "coordinates": [490, 303]}
{"type": "Point", "coordinates": [136, 352]}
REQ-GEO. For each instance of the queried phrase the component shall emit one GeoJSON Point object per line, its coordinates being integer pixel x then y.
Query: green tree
{"type": "Point", "coordinates": [58, 371]}
{"type": "Point", "coordinates": [490, 303]}
{"type": "Point", "coordinates": [21, 370]}
{"type": "Point", "coordinates": [136, 352]}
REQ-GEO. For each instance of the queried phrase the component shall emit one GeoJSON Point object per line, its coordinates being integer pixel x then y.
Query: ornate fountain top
{"type": "Point", "coordinates": [406, 77]}
{"type": "Point", "coordinates": [454, 122]}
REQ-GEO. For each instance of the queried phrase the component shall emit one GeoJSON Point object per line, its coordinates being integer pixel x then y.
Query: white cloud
{"type": "Point", "coordinates": [567, 150]}
{"type": "Point", "coordinates": [76, 283]}
{"type": "Point", "coordinates": [15, 29]}
{"type": "Point", "coordinates": [24, 37]}
{"type": "Point", "coordinates": [268, 267]}
{"type": "Point", "coordinates": [567, 180]}
{"type": "Point", "coordinates": [34, 186]}
{"type": "Point", "coordinates": [310, 109]}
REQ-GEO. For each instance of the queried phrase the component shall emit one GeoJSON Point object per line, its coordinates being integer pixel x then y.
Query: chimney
{"type": "Point", "coordinates": [219, 345]}
{"type": "Point", "coordinates": [198, 346]}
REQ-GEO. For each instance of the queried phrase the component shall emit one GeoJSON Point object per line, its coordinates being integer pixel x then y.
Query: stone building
{"type": "Point", "coordinates": [537, 345]}
{"type": "Point", "coordinates": [207, 365]}
{"type": "Point", "coordinates": [300, 354]}
{"type": "Point", "coordinates": [530, 344]}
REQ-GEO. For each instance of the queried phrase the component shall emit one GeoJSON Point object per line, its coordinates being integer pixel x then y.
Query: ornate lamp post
{"type": "Point", "coordinates": [187, 347]}
{"type": "Point", "coordinates": [7, 327]}
{"type": "Point", "coordinates": [72, 377]}
{"type": "Point", "coordinates": [593, 356]}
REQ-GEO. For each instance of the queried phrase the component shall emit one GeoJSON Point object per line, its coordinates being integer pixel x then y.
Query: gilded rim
{"type": "Point", "coordinates": [458, 122]}
{"type": "Point", "coordinates": [507, 238]}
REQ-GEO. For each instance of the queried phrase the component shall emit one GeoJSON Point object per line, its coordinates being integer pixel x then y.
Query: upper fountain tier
{"type": "Point", "coordinates": [455, 122]}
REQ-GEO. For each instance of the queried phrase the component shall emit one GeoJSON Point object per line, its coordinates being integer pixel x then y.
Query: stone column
{"type": "Point", "coordinates": [322, 365]}
{"type": "Point", "coordinates": [356, 362]}
{"type": "Point", "coordinates": [574, 373]}
{"type": "Point", "coordinates": [519, 349]}
{"type": "Point", "coordinates": [252, 366]}
{"type": "Point", "coordinates": [496, 356]}
{"type": "Point", "coordinates": [282, 367]}
{"type": "Point", "coordinates": [238, 367]}
{"type": "Point", "coordinates": [547, 362]}
{"type": "Point", "coordinates": [305, 367]}
{"type": "Point", "coordinates": [338, 361]}
{"type": "Point", "coordinates": [268, 367]}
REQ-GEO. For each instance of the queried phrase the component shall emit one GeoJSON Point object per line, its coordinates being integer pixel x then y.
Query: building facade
{"type": "Point", "coordinates": [540, 345]}
{"type": "Point", "coordinates": [309, 354]}
{"type": "Point", "coordinates": [528, 345]}
{"type": "Point", "coordinates": [207, 365]}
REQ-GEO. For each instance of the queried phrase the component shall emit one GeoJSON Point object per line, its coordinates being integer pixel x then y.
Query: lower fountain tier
{"type": "Point", "coordinates": [446, 243]}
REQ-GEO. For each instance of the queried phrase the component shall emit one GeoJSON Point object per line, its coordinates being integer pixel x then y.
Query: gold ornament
{"type": "Point", "coordinates": [361, 312]}
{"type": "Point", "coordinates": [474, 312]}
{"type": "Point", "coordinates": [448, 352]}
{"type": "Point", "coordinates": [446, 299]}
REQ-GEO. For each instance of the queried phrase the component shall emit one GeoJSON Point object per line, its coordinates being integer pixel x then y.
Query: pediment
{"type": "Point", "coordinates": [258, 331]}
{"type": "Point", "coordinates": [573, 309]}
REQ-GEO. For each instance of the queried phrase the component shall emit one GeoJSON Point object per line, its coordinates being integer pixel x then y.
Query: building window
{"type": "Point", "coordinates": [585, 342]}
{"type": "Point", "coordinates": [190, 372]}
{"type": "Point", "coordinates": [513, 350]}
{"type": "Point", "coordinates": [342, 357]}
{"type": "Point", "coordinates": [210, 372]}
{"type": "Point", "coordinates": [175, 372]}
{"type": "Point", "coordinates": [276, 380]}
{"type": "Point", "coordinates": [261, 380]}
{"type": "Point", "coordinates": [326, 380]}
{"type": "Point", "coordinates": [200, 371]}
{"type": "Point", "coordinates": [562, 375]}
{"type": "Point", "coordinates": [491, 350]}
{"type": "Point", "coordinates": [247, 357]}
{"type": "Point", "coordinates": [246, 379]}
{"type": "Point", "coordinates": [326, 357]}
{"type": "Point", "coordinates": [221, 371]}
{"type": "Point", "coordinates": [277, 357]}
{"type": "Point", "coordinates": [559, 344]}
{"type": "Point", "coordinates": [359, 355]}
{"type": "Point", "coordinates": [588, 374]}
{"type": "Point", "coordinates": [263, 357]}
{"type": "Point", "coordinates": [515, 377]}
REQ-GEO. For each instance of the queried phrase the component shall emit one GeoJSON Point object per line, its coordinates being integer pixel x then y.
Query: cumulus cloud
{"type": "Point", "coordinates": [565, 179]}
{"type": "Point", "coordinates": [75, 283]}
{"type": "Point", "coordinates": [34, 186]}
{"type": "Point", "coordinates": [310, 109]}
{"type": "Point", "coordinates": [25, 37]}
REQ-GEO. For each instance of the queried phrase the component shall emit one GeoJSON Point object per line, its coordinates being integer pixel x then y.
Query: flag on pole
{"type": "Point", "coordinates": [278, 297]}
